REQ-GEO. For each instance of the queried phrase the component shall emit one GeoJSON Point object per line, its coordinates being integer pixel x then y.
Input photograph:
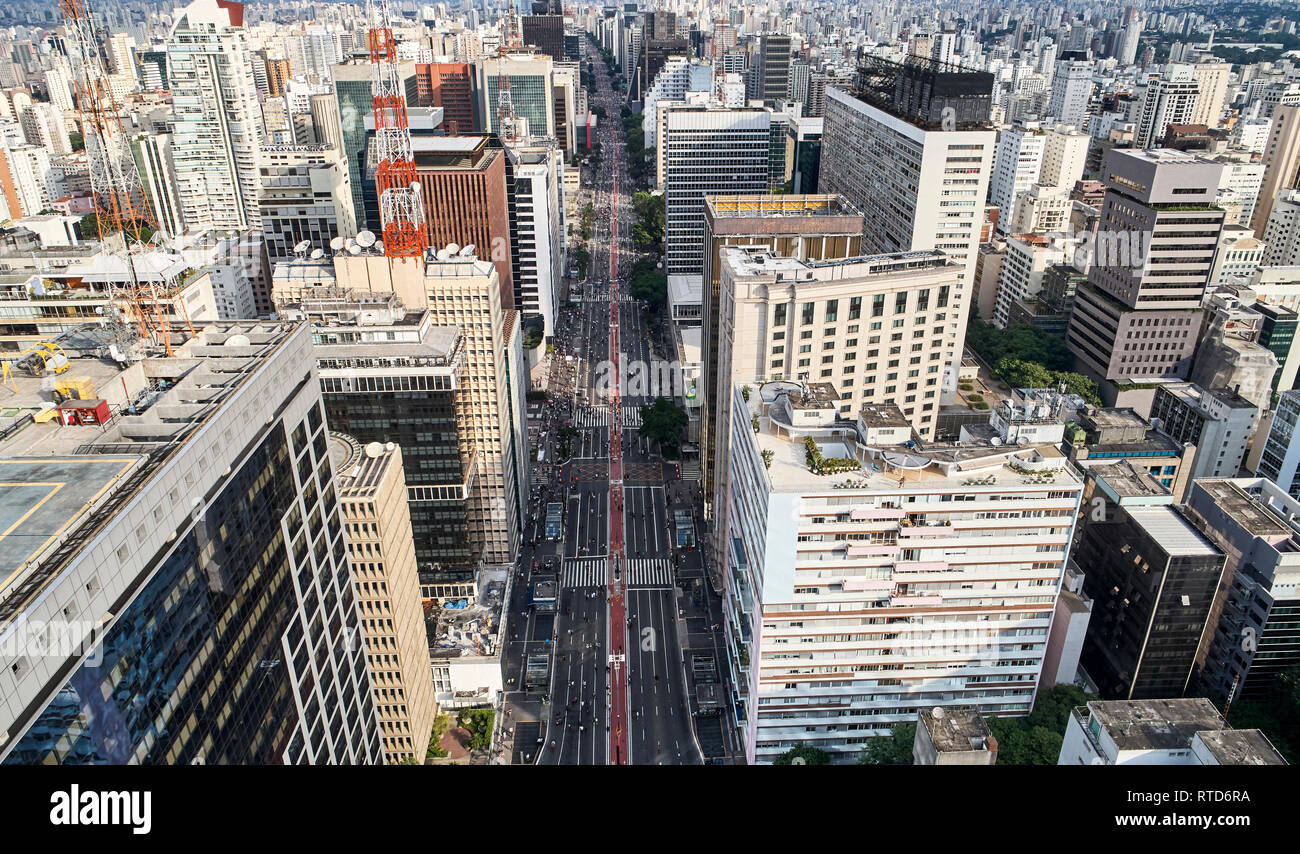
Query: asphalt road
{"type": "Point", "coordinates": [618, 574]}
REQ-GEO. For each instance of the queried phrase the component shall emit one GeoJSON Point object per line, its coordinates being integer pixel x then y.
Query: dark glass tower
{"type": "Point", "coordinates": [232, 633]}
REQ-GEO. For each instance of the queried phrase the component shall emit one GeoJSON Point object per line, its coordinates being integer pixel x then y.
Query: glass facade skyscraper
{"type": "Point", "coordinates": [237, 641]}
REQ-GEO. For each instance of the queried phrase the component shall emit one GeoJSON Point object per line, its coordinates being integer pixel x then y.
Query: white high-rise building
{"type": "Point", "coordinates": [43, 125]}
{"type": "Point", "coordinates": [876, 327]}
{"type": "Point", "coordinates": [537, 230]}
{"type": "Point", "coordinates": [1016, 166]}
{"type": "Point", "coordinates": [1240, 184]}
{"type": "Point", "coordinates": [1027, 257]}
{"type": "Point", "coordinates": [1130, 33]}
{"type": "Point", "coordinates": [867, 579]}
{"type": "Point", "coordinates": [1168, 100]}
{"type": "Point", "coordinates": [1071, 91]}
{"type": "Point", "coordinates": [919, 186]}
{"type": "Point", "coordinates": [1237, 257]}
{"type": "Point", "coordinates": [153, 157]}
{"type": "Point", "coordinates": [121, 55]}
{"type": "Point", "coordinates": [306, 195]}
{"type": "Point", "coordinates": [1042, 209]}
{"type": "Point", "coordinates": [25, 178]}
{"type": "Point", "coordinates": [1212, 86]}
{"type": "Point", "coordinates": [1282, 233]}
{"type": "Point", "coordinates": [217, 122]}
{"type": "Point", "coordinates": [1065, 155]}
{"type": "Point", "coordinates": [708, 151]}
{"type": "Point", "coordinates": [943, 47]}
{"type": "Point", "coordinates": [58, 81]}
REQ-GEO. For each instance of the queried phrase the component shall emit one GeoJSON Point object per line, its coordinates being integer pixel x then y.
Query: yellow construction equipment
{"type": "Point", "coordinates": [41, 359]}
{"type": "Point", "coordinates": [74, 388]}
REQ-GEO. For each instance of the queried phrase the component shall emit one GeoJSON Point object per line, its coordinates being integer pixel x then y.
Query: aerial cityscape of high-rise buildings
{"type": "Point", "coordinates": [672, 382]}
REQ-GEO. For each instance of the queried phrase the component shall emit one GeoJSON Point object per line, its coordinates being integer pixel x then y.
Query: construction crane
{"type": "Point", "coordinates": [122, 216]}
{"type": "Point", "coordinates": [401, 213]}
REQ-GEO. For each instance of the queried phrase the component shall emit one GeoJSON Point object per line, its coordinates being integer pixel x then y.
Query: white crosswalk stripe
{"type": "Point", "coordinates": [649, 572]}
{"type": "Point", "coordinates": [592, 416]}
{"type": "Point", "coordinates": [631, 415]}
{"type": "Point", "coordinates": [583, 572]}
{"type": "Point", "coordinates": [691, 470]}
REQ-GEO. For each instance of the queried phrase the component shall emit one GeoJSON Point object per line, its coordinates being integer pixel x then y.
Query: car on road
{"type": "Point", "coordinates": [551, 564]}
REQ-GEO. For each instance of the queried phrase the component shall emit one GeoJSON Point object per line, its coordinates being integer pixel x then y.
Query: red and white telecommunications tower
{"type": "Point", "coordinates": [123, 217]}
{"type": "Point", "coordinates": [400, 212]}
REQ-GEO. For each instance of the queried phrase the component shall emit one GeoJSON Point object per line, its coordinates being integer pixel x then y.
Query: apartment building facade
{"type": "Point", "coordinates": [901, 579]}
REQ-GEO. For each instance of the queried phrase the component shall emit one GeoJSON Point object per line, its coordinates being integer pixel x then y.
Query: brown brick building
{"type": "Point", "coordinates": [277, 74]}
{"type": "Point", "coordinates": [448, 85]}
{"type": "Point", "coordinates": [463, 186]}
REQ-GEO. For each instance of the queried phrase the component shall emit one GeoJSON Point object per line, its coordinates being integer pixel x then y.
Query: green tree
{"type": "Point", "coordinates": [1024, 342]}
{"type": "Point", "coordinates": [89, 227]}
{"type": "Point", "coordinates": [440, 725]}
{"type": "Point", "coordinates": [1078, 384]}
{"type": "Point", "coordinates": [1019, 744]}
{"type": "Point", "coordinates": [566, 435]}
{"type": "Point", "coordinates": [652, 219]}
{"type": "Point", "coordinates": [78, 141]}
{"type": "Point", "coordinates": [479, 724]}
{"type": "Point", "coordinates": [647, 283]}
{"type": "Point", "coordinates": [1036, 738]}
{"type": "Point", "coordinates": [893, 749]}
{"type": "Point", "coordinates": [582, 258]}
{"type": "Point", "coordinates": [1276, 711]}
{"type": "Point", "coordinates": [1021, 374]}
{"type": "Point", "coordinates": [809, 755]}
{"type": "Point", "coordinates": [665, 422]}
{"type": "Point", "coordinates": [1052, 707]}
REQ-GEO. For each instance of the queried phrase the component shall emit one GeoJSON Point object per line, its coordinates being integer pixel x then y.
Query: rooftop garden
{"type": "Point", "coordinates": [818, 464]}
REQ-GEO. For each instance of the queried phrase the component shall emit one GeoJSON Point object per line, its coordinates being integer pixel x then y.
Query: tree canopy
{"type": "Point", "coordinates": [1027, 343]}
{"type": "Point", "coordinates": [1036, 738]}
{"type": "Point", "coordinates": [1276, 711]}
{"type": "Point", "coordinates": [650, 210]}
{"type": "Point", "coordinates": [808, 755]}
{"type": "Point", "coordinates": [647, 283]}
{"type": "Point", "coordinates": [893, 749]}
{"type": "Point", "coordinates": [1019, 373]}
{"type": "Point", "coordinates": [664, 421]}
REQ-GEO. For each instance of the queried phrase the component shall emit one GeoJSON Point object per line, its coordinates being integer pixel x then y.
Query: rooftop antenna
{"type": "Point", "coordinates": [401, 213]}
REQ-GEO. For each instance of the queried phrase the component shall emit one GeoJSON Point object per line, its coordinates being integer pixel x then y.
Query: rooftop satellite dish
{"type": "Point", "coordinates": [301, 247]}
{"type": "Point", "coordinates": [336, 243]}
{"type": "Point", "coordinates": [374, 449]}
{"type": "Point", "coordinates": [937, 714]}
{"type": "Point", "coordinates": [388, 446]}
{"type": "Point", "coordinates": [237, 341]}
{"type": "Point", "coordinates": [467, 251]}
{"type": "Point", "coordinates": [441, 254]}
{"type": "Point", "coordinates": [317, 254]}
{"type": "Point", "coordinates": [366, 238]}
{"type": "Point", "coordinates": [379, 246]}
{"type": "Point", "coordinates": [995, 441]}
{"type": "Point", "coordinates": [354, 249]}
{"type": "Point", "coordinates": [453, 248]}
